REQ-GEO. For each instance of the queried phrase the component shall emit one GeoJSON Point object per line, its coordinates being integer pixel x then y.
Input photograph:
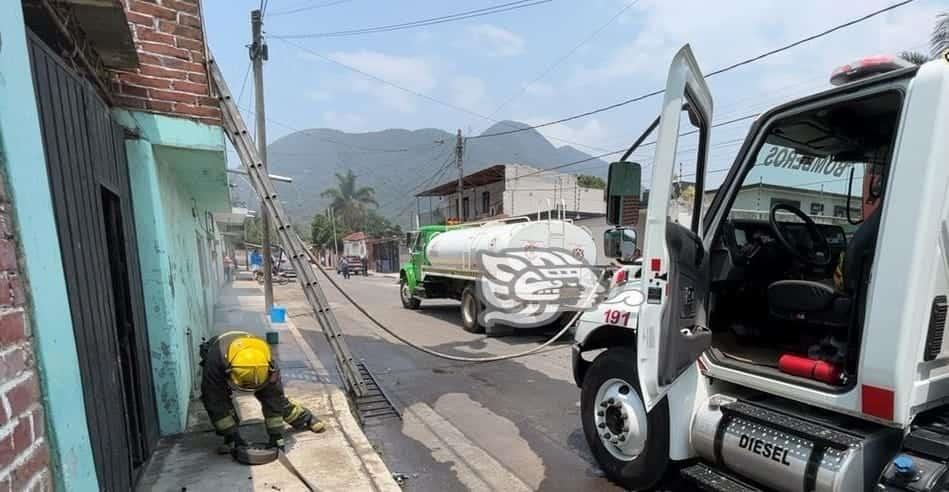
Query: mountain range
{"type": "Point", "coordinates": [397, 163]}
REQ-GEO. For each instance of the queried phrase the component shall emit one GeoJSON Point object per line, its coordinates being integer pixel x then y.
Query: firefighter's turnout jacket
{"type": "Point", "coordinates": [216, 391]}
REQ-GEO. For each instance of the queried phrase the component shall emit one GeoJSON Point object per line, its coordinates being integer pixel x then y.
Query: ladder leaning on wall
{"type": "Point", "coordinates": [247, 151]}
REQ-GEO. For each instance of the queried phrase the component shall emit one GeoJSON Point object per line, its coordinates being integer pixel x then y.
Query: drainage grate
{"type": "Point", "coordinates": [375, 405]}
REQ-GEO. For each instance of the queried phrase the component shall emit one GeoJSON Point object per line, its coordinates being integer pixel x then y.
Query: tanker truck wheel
{"type": "Point", "coordinates": [470, 311]}
{"type": "Point", "coordinates": [408, 300]}
{"type": "Point", "coordinates": [631, 445]}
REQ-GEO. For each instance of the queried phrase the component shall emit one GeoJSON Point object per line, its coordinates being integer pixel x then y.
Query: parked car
{"type": "Point", "coordinates": [355, 265]}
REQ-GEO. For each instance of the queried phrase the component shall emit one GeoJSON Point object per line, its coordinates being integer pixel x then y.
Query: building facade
{"type": "Point", "coordinates": [754, 201]}
{"type": "Point", "coordinates": [114, 165]}
{"type": "Point", "coordinates": [508, 190]}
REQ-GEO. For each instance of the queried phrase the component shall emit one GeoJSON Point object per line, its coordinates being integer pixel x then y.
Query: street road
{"type": "Point", "coordinates": [510, 425]}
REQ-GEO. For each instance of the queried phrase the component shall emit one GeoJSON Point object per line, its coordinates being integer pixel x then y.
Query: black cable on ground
{"type": "Point", "coordinates": [435, 353]}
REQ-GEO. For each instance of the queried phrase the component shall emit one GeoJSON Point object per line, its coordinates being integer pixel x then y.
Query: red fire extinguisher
{"type": "Point", "coordinates": [811, 368]}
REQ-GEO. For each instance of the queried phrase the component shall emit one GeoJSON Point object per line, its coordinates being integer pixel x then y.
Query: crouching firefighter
{"type": "Point", "coordinates": [241, 361]}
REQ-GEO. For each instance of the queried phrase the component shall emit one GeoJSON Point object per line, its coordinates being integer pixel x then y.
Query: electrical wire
{"type": "Point", "coordinates": [434, 175]}
{"type": "Point", "coordinates": [244, 82]}
{"type": "Point", "coordinates": [606, 154]}
{"type": "Point", "coordinates": [325, 139]}
{"type": "Point", "coordinates": [308, 7]}
{"type": "Point", "coordinates": [505, 7]}
{"type": "Point", "coordinates": [416, 93]}
{"type": "Point", "coordinates": [442, 355]}
{"type": "Point", "coordinates": [710, 74]}
{"type": "Point", "coordinates": [564, 58]}
{"type": "Point", "coordinates": [574, 163]}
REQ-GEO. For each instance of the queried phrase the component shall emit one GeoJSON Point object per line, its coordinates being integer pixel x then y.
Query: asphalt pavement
{"type": "Point", "coordinates": [510, 425]}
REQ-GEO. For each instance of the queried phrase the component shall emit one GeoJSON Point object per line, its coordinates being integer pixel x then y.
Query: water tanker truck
{"type": "Point", "coordinates": [445, 259]}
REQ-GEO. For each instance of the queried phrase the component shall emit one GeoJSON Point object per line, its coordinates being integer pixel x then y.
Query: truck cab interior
{"type": "Point", "coordinates": [791, 261]}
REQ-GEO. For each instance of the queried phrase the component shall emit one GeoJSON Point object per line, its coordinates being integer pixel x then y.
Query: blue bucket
{"type": "Point", "coordinates": [278, 314]}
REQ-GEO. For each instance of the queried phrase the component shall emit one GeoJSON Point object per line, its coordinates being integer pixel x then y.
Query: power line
{"type": "Point", "coordinates": [308, 7]}
{"type": "Point", "coordinates": [692, 132]}
{"type": "Point", "coordinates": [564, 58]}
{"type": "Point", "coordinates": [325, 139]}
{"type": "Point", "coordinates": [710, 74]}
{"type": "Point", "coordinates": [496, 9]}
{"type": "Point", "coordinates": [414, 92]}
{"type": "Point", "coordinates": [425, 182]}
{"type": "Point", "coordinates": [713, 147]}
{"type": "Point", "coordinates": [606, 154]}
{"type": "Point", "coordinates": [244, 83]}
{"type": "Point", "coordinates": [434, 177]}
{"type": "Point", "coordinates": [409, 174]}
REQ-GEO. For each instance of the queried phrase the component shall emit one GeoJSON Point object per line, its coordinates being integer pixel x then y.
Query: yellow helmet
{"type": "Point", "coordinates": [249, 361]}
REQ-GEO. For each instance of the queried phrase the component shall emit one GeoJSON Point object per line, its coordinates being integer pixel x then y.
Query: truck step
{"type": "Point", "coordinates": [803, 429]}
{"type": "Point", "coordinates": [709, 479]}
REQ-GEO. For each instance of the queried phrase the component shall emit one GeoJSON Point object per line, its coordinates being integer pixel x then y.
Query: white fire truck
{"type": "Point", "coordinates": [781, 353]}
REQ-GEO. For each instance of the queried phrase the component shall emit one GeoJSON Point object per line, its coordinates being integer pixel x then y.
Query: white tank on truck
{"type": "Point", "coordinates": [458, 250]}
{"type": "Point", "coordinates": [445, 260]}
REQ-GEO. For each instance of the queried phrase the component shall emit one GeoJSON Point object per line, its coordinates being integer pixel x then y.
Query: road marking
{"type": "Point", "coordinates": [504, 439]}
{"type": "Point", "coordinates": [476, 469]}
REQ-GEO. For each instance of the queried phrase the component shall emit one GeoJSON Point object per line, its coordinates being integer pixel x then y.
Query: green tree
{"type": "Point", "coordinates": [379, 226]}
{"type": "Point", "coordinates": [321, 232]}
{"type": "Point", "coordinates": [687, 193]}
{"type": "Point", "coordinates": [350, 202]}
{"type": "Point", "coordinates": [588, 181]}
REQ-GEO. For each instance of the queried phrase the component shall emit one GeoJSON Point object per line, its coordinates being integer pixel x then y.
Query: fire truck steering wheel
{"type": "Point", "coordinates": [819, 255]}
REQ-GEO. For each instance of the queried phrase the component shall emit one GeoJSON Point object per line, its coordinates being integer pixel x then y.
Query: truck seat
{"type": "Point", "coordinates": [815, 302]}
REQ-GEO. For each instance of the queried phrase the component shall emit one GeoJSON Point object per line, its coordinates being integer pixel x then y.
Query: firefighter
{"type": "Point", "coordinates": [239, 360]}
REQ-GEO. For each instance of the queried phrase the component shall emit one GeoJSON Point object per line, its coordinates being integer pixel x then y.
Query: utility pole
{"type": "Point", "coordinates": [459, 153]}
{"type": "Point", "coordinates": [258, 53]}
{"type": "Point", "coordinates": [332, 216]}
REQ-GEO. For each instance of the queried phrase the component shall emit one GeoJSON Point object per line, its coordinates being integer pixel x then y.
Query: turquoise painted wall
{"type": "Point", "coordinates": [23, 160]}
{"type": "Point", "coordinates": [177, 171]}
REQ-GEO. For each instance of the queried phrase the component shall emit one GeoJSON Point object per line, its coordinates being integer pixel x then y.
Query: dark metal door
{"type": "Point", "coordinates": [89, 182]}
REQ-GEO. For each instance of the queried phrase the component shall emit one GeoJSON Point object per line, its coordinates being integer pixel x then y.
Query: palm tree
{"type": "Point", "coordinates": [349, 203]}
{"type": "Point", "coordinates": [939, 41]}
{"type": "Point", "coordinates": [914, 57]}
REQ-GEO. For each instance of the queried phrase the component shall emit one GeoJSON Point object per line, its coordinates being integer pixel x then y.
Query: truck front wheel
{"type": "Point", "coordinates": [470, 311]}
{"type": "Point", "coordinates": [630, 444]}
{"type": "Point", "coordinates": [408, 300]}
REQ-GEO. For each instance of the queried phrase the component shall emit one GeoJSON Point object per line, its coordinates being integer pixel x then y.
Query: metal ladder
{"type": "Point", "coordinates": [247, 151]}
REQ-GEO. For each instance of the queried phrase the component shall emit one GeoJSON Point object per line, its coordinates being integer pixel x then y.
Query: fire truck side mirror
{"type": "Point", "coordinates": [622, 193]}
{"type": "Point", "coordinates": [619, 243]}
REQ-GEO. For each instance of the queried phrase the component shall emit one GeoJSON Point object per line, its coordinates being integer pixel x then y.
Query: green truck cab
{"type": "Point", "coordinates": [411, 274]}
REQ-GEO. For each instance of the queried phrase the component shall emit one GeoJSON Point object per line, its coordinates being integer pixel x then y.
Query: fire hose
{"type": "Point", "coordinates": [442, 355]}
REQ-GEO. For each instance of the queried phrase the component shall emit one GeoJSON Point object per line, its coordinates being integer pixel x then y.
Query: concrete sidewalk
{"type": "Point", "coordinates": [339, 459]}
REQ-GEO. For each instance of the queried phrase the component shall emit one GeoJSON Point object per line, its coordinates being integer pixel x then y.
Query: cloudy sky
{"type": "Point", "coordinates": [492, 65]}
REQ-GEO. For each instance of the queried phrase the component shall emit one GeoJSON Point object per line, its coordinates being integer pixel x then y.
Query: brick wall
{"type": "Point", "coordinates": [24, 455]}
{"type": "Point", "coordinates": [172, 77]}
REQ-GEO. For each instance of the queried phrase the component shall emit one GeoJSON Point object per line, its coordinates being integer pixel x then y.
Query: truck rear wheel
{"type": "Point", "coordinates": [630, 444]}
{"type": "Point", "coordinates": [470, 311]}
{"type": "Point", "coordinates": [408, 300]}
